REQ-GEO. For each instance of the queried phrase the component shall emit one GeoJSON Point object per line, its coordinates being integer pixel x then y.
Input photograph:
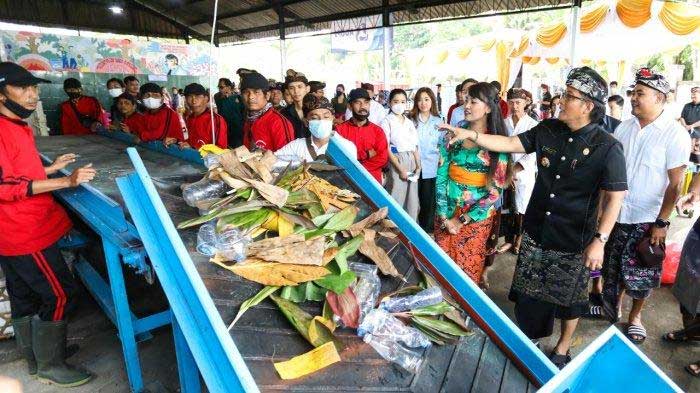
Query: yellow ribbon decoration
{"type": "Point", "coordinates": [634, 13]}
{"type": "Point", "coordinates": [593, 17]}
{"type": "Point", "coordinates": [551, 35]}
{"type": "Point", "coordinates": [680, 18]}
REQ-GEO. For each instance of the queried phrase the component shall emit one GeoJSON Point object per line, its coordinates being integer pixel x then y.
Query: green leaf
{"type": "Point", "coordinates": [337, 282]}
{"type": "Point", "coordinates": [410, 290]}
{"type": "Point", "coordinates": [322, 219]}
{"type": "Point", "coordinates": [430, 334]}
{"type": "Point", "coordinates": [348, 249]}
{"type": "Point", "coordinates": [314, 233]}
{"type": "Point", "coordinates": [447, 327]}
{"type": "Point", "coordinates": [299, 318]}
{"type": "Point", "coordinates": [343, 219]}
{"type": "Point", "coordinates": [253, 301]}
{"type": "Point", "coordinates": [435, 309]}
{"type": "Point", "coordinates": [316, 209]}
{"type": "Point", "coordinates": [303, 292]}
{"type": "Point", "coordinates": [327, 312]}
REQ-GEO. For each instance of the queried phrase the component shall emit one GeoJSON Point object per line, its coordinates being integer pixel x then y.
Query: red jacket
{"type": "Point", "coordinates": [449, 111]}
{"type": "Point", "coordinates": [28, 223]}
{"type": "Point", "coordinates": [199, 130]}
{"type": "Point", "coordinates": [164, 123]}
{"type": "Point", "coordinates": [86, 106]}
{"type": "Point", "coordinates": [135, 123]}
{"type": "Point", "coordinates": [271, 131]}
{"type": "Point", "coordinates": [366, 138]}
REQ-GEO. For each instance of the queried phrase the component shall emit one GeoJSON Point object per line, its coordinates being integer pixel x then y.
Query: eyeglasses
{"type": "Point", "coordinates": [567, 96]}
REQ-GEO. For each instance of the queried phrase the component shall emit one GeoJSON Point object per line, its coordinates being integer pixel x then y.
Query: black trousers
{"type": "Point", "coordinates": [426, 196]}
{"type": "Point", "coordinates": [39, 283]}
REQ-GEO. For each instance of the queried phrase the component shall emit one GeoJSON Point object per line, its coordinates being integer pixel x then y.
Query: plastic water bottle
{"type": "Point", "coordinates": [409, 359]}
{"type": "Point", "coordinates": [203, 190]}
{"type": "Point", "coordinates": [231, 244]}
{"type": "Point", "coordinates": [385, 326]}
{"type": "Point", "coordinates": [424, 298]}
{"type": "Point", "coordinates": [206, 239]}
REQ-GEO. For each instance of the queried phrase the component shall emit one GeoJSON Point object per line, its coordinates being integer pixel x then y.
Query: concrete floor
{"type": "Point", "coordinates": [101, 352]}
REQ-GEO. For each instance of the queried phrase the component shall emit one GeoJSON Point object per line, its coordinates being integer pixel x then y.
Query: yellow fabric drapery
{"type": "Point", "coordinates": [487, 44]}
{"type": "Point", "coordinates": [550, 35]}
{"type": "Point", "coordinates": [552, 60]}
{"type": "Point", "coordinates": [503, 63]}
{"type": "Point", "coordinates": [593, 17]}
{"type": "Point", "coordinates": [531, 60]}
{"type": "Point", "coordinates": [634, 13]}
{"type": "Point", "coordinates": [621, 70]}
{"type": "Point", "coordinates": [442, 56]}
{"type": "Point", "coordinates": [524, 44]}
{"type": "Point", "coordinates": [680, 18]}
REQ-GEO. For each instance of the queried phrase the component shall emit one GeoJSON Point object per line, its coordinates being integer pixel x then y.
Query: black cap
{"type": "Point", "coordinates": [316, 86]}
{"type": "Point", "coordinates": [254, 80]}
{"type": "Point", "coordinates": [195, 89]}
{"type": "Point", "coordinates": [16, 75]}
{"type": "Point", "coordinates": [72, 83]}
{"type": "Point", "coordinates": [150, 87]}
{"type": "Point", "coordinates": [356, 94]}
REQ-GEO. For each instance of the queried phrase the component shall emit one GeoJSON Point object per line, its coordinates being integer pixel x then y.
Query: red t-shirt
{"type": "Point", "coordinates": [271, 131]}
{"type": "Point", "coordinates": [199, 130]}
{"type": "Point", "coordinates": [136, 123]}
{"type": "Point", "coordinates": [28, 223]}
{"type": "Point", "coordinates": [164, 123]}
{"type": "Point", "coordinates": [367, 137]}
{"type": "Point", "coordinates": [87, 106]}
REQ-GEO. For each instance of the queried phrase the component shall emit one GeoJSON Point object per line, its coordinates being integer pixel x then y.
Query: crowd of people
{"type": "Point", "coordinates": [579, 191]}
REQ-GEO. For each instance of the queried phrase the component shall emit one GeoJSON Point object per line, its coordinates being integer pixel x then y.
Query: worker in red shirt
{"type": "Point", "coordinates": [199, 130]}
{"type": "Point", "coordinates": [40, 286]}
{"type": "Point", "coordinates": [160, 122]}
{"type": "Point", "coordinates": [369, 138]}
{"type": "Point", "coordinates": [79, 114]}
{"type": "Point", "coordinates": [264, 127]}
{"type": "Point", "coordinates": [132, 121]}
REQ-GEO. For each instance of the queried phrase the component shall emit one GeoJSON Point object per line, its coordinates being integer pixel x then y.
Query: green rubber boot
{"type": "Point", "coordinates": [49, 341]}
{"type": "Point", "coordinates": [23, 336]}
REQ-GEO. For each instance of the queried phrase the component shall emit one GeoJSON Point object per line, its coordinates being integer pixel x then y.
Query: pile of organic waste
{"type": "Point", "coordinates": [291, 231]}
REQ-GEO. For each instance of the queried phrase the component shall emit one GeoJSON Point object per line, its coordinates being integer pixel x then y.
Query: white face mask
{"type": "Point", "coordinates": [114, 93]}
{"type": "Point", "coordinates": [152, 103]}
{"type": "Point", "coordinates": [321, 129]}
{"type": "Point", "coordinates": [399, 109]}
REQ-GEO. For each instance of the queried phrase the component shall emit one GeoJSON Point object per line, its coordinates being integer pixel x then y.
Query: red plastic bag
{"type": "Point", "coordinates": [670, 265]}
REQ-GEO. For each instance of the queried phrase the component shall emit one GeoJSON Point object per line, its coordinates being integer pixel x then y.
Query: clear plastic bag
{"type": "Point", "coordinates": [211, 160]}
{"type": "Point", "coordinates": [424, 298]}
{"type": "Point", "coordinates": [366, 287]}
{"type": "Point", "coordinates": [203, 190]}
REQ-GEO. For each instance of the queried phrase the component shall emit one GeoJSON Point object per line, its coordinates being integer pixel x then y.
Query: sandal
{"type": "Point", "coordinates": [696, 372]}
{"type": "Point", "coordinates": [638, 331]}
{"type": "Point", "coordinates": [680, 336]}
{"type": "Point", "coordinates": [595, 312]}
{"type": "Point", "coordinates": [560, 360]}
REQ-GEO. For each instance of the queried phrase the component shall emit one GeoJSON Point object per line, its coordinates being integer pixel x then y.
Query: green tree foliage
{"type": "Point", "coordinates": [685, 58]}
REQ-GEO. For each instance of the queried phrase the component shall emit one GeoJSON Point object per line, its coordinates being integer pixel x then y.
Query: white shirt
{"type": "Point", "coordinates": [649, 153]}
{"type": "Point", "coordinates": [297, 150]}
{"type": "Point", "coordinates": [401, 134]}
{"type": "Point", "coordinates": [377, 112]}
{"type": "Point", "coordinates": [525, 179]}
{"type": "Point", "coordinates": [457, 115]}
{"type": "Point", "coordinates": [428, 140]}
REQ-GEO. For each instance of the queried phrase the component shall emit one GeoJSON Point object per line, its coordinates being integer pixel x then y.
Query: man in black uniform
{"type": "Point", "coordinates": [562, 239]}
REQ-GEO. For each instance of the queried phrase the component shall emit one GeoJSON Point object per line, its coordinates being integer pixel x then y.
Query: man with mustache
{"type": "Point", "coordinates": [369, 138]}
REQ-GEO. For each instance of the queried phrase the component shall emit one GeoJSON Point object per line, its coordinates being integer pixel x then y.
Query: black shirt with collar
{"type": "Point", "coordinates": [609, 123]}
{"type": "Point", "coordinates": [573, 166]}
{"type": "Point", "coordinates": [691, 113]}
{"type": "Point", "coordinates": [291, 114]}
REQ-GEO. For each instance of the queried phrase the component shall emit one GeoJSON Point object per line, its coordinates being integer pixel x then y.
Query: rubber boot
{"type": "Point", "coordinates": [23, 336]}
{"type": "Point", "coordinates": [49, 342]}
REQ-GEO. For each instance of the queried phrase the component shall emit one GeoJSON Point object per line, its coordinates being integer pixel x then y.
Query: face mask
{"type": "Point", "coordinates": [321, 129]}
{"type": "Point", "coordinates": [18, 109]}
{"type": "Point", "coordinates": [73, 95]}
{"type": "Point", "coordinates": [152, 103]}
{"type": "Point", "coordinates": [114, 93]}
{"type": "Point", "coordinates": [399, 109]}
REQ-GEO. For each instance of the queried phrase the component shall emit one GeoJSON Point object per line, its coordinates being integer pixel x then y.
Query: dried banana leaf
{"type": "Point", "coordinates": [276, 195]}
{"type": "Point", "coordinates": [370, 249]}
{"type": "Point", "coordinates": [253, 301]}
{"type": "Point", "coordinates": [272, 273]}
{"type": "Point", "coordinates": [273, 242]}
{"type": "Point", "coordinates": [231, 164]}
{"type": "Point", "coordinates": [357, 228]}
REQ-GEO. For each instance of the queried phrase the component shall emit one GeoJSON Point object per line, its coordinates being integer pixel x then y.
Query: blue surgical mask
{"type": "Point", "coordinates": [321, 129]}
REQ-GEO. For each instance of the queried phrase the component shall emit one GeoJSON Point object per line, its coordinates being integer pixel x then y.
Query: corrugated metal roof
{"type": "Point", "coordinates": [241, 20]}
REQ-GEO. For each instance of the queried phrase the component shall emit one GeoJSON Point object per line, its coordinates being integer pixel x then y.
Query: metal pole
{"type": "Point", "coordinates": [387, 57]}
{"type": "Point", "coordinates": [283, 57]}
{"type": "Point", "coordinates": [575, 30]}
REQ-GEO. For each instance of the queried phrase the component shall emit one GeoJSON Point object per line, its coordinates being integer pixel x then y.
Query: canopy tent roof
{"type": "Point", "coordinates": [243, 20]}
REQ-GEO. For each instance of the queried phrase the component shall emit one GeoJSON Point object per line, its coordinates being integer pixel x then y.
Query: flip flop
{"type": "Point", "coordinates": [690, 371]}
{"type": "Point", "coordinates": [636, 330]}
{"type": "Point", "coordinates": [680, 336]}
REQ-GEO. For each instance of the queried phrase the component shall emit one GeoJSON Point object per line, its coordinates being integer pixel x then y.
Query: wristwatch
{"type": "Point", "coordinates": [661, 223]}
{"type": "Point", "coordinates": [603, 237]}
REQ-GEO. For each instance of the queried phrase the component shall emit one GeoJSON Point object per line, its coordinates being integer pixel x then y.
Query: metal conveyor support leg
{"type": "Point", "coordinates": [186, 367]}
